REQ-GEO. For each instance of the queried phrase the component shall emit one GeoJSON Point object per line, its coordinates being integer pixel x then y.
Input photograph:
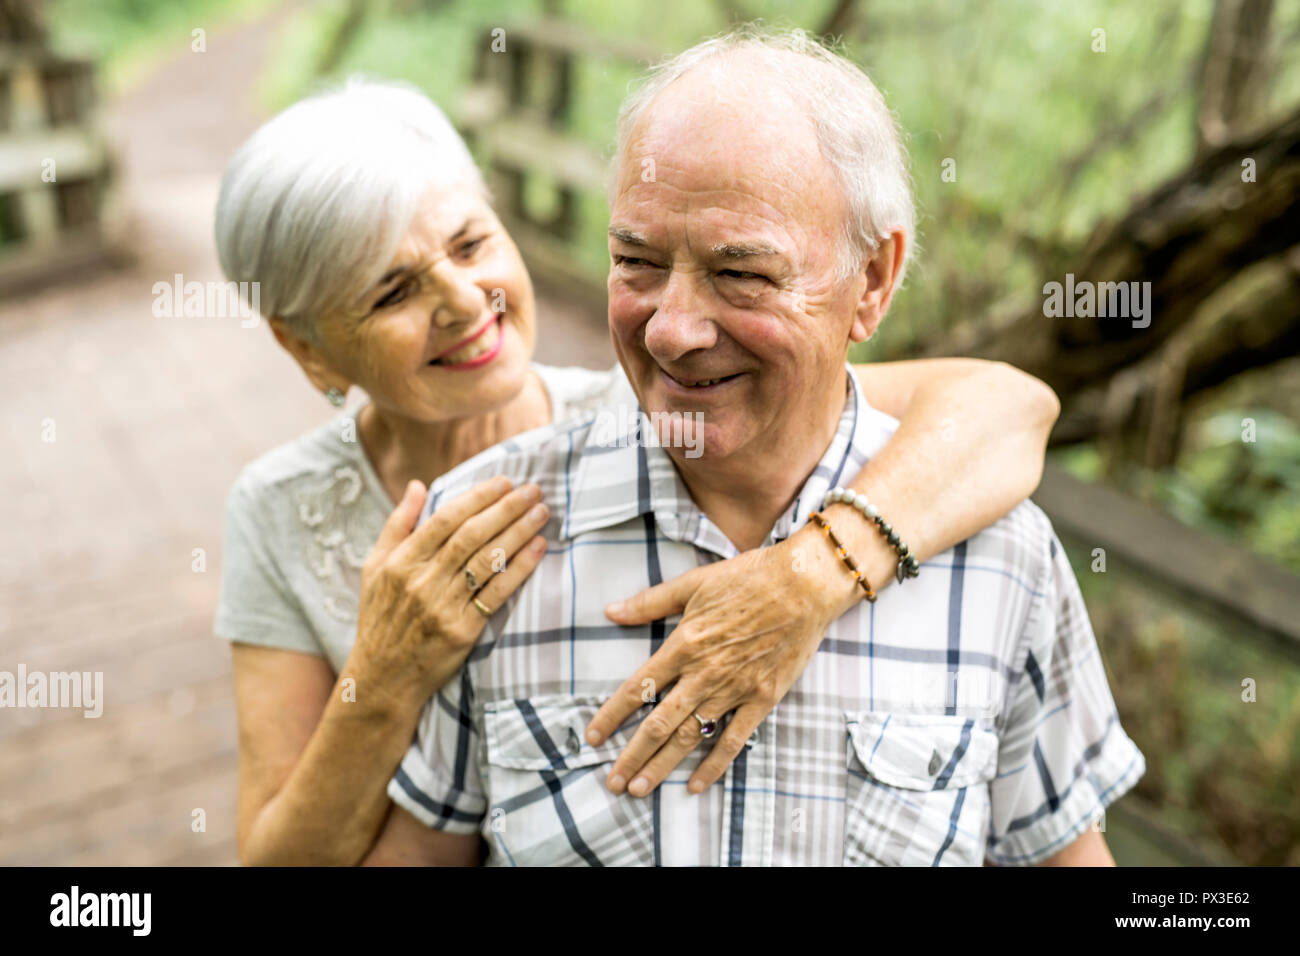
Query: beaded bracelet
{"type": "Point", "coordinates": [907, 566]}
{"type": "Point", "coordinates": [844, 555]}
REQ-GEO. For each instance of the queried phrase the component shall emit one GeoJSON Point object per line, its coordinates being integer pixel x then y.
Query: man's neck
{"type": "Point", "coordinates": [746, 493]}
{"type": "Point", "coordinates": [402, 449]}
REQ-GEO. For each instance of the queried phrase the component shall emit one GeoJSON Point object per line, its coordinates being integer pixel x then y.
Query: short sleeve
{"type": "Point", "coordinates": [256, 605]}
{"type": "Point", "coordinates": [1064, 757]}
{"type": "Point", "coordinates": [439, 781]}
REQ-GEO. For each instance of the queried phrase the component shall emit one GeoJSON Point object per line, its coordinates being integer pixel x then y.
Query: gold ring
{"type": "Point", "coordinates": [482, 608]}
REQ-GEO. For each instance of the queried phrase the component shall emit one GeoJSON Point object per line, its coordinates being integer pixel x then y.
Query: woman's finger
{"type": "Point", "coordinates": [655, 731]}
{"type": "Point", "coordinates": [643, 687]}
{"type": "Point", "coordinates": [688, 735]}
{"type": "Point", "coordinates": [740, 728]}
{"type": "Point", "coordinates": [443, 523]}
{"type": "Point", "coordinates": [502, 585]}
{"type": "Point", "coordinates": [655, 603]}
{"type": "Point", "coordinates": [477, 530]}
{"type": "Point", "coordinates": [399, 524]}
{"type": "Point", "coordinates": [495, 556]}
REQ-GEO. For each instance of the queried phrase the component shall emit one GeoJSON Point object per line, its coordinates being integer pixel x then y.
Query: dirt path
{"type": "Point", "coordinates": [111, 532]}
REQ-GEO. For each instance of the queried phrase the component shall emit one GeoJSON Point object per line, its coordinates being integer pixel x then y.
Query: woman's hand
{"type": "Point", "coordinates": [750, 625]}
{"type": "Point", "coordinates": [315, 759]}
{"type": "Point", "coordinates": [969, 447]}
{"type": "Point", "coordinates": [418, 620]}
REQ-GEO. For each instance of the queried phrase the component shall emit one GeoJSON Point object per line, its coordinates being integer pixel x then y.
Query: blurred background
{"type": "Point", "coordinates": [1111, 142]}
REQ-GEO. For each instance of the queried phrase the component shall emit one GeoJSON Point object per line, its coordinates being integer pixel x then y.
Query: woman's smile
{"type": "Point", "coordinates": [476, 351]}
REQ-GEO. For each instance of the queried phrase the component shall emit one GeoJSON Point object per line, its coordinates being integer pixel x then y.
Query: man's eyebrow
{"type": "Point", "coordinates": [628, 236]}
{"type": "Point", "coordinates": [743, 250]}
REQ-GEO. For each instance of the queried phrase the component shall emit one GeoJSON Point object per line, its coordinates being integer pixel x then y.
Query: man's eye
{"type": "Point", "coordinates": [632, 261]}
{"type": "Point", "coordinates": [394, 297]}
{"type": "Point", "coordinates": [737, 274]}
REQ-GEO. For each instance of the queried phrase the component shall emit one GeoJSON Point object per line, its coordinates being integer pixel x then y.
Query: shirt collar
{"type": "Point", "coordinates": [619, 477]}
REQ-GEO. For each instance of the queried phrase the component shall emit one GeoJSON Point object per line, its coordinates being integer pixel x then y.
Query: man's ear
{"type": "Point", "coordinates": [313, 363]}
{"type": "Point", "coordinates": [881, 275]}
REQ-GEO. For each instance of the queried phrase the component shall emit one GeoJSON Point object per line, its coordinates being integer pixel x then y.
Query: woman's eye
{"type": "Point", "coordinates": [394, 297]}
{"type": "Point", "coordinates": [472, 246]}
{"type": "Point", "coordinates": [737, 274]}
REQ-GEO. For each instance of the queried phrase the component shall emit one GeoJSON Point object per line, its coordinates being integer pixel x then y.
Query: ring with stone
{"type": "Point", "coordinates": [707, 727]}
{"type": "Point", "coordinates": [471, 580]}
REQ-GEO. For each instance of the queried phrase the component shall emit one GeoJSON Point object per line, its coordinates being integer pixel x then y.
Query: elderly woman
{"type": "Point", "coordinates": [381, 264]}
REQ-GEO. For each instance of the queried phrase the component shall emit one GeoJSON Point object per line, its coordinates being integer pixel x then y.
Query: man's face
{"type": "Point", "coordinates": [725, 238]}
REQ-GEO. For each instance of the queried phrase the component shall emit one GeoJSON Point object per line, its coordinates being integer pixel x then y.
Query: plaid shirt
{"type": "Point", "coordinates": [964, 716]}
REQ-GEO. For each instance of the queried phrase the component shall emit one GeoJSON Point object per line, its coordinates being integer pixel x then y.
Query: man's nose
{"type": "Point", "coordinates": [459, 299]}
{"type": "Point", "coordinates": [681, 323]}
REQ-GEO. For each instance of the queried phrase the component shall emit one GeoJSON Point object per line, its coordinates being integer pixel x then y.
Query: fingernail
{"type": "Point", "coordinates": [532, 493]}
{"type": "Point", "coordinates": [537, 512]}
{"type": "Point", "coordinates": [615, 609]}
{"type": "Point", "coordinates": [640, 787]}
{"type": "Point", "coordinates": [616, 782]}
{"type": "Point", "coordinates": [593, 737]}
{"type": "Point", "coordinates": [538, 546]}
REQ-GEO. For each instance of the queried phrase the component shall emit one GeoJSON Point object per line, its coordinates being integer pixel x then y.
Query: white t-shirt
{"type": "Point", "coordinates": [301, 520]}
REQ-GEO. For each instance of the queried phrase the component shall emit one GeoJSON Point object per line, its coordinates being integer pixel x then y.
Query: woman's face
{"type": "Point", "coordinates": [449, 330]}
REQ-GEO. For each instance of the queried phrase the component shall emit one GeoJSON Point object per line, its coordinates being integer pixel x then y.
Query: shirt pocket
{"type": "Point", "coordinates": [549, 803]}
{"type": "Point", "coordinates": [918, 789]}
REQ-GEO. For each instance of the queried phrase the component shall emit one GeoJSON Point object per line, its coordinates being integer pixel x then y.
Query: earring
{"type": "Point", "coordinates": [335, 396]}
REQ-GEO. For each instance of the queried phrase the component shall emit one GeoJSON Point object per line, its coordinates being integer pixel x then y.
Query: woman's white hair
{"type": "Point", "coordinates": [855, 130]}
{"type": "Point", "coordinates": [314, 205]}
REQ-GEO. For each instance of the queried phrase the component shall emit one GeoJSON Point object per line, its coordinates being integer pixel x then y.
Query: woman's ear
{"type": "Point", "coordinates": [881, 272]}
{"type": "Point", "coordinates": [309, 358]}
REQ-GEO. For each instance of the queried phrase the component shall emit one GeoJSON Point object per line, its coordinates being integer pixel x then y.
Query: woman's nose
{"type": "Point", "coordinates": [461, 301]}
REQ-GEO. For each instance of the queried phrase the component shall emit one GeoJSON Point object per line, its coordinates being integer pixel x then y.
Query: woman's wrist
{"type": "Point", "coordinates": [829, 583]}
{"type": "Point", "coordinates": [383, 686]}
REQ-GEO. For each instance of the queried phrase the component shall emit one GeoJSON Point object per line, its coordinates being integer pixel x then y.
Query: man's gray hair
{"type": "Point", "coordinates": [314, 205]}
{"type": "Point", "coordinates": [855, 130]}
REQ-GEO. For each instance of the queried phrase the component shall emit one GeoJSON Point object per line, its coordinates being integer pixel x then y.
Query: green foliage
{"type": "Point", "coordinates": [1248, 489]}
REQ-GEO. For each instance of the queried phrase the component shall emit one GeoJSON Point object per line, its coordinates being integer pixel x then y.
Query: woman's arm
{"type": "Point", "coordinates": [316, 754]}
{"type": "Point", "coordinates": [969, 447]}
{"type": "Point", "coordinates": [313, 764]}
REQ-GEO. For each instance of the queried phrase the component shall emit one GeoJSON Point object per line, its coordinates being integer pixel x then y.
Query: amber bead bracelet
{"type": "Point", "coordinates": [852, 565]}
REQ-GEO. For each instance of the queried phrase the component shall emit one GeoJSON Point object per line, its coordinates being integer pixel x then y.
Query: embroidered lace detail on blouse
{"type": "Point", "coordinates": [339, 539]}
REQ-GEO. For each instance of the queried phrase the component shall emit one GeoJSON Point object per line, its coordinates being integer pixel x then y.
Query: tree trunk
{"type": "Point", "coordinates": [1188, 238]}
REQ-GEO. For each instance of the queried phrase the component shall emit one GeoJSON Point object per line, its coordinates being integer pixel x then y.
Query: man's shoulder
{"type": "Point", "coordinates": [1022, 545]}
{"type": "Point", "coordinates": [545, 456]}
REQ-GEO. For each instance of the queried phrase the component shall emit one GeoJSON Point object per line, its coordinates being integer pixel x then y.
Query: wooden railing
{"type": "Point", "coordinates": [517, 115]}
{"type": "Point", "coordinates": [54, 167]}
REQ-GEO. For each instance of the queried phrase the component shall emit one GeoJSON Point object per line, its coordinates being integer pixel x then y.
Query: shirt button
{"type": "Point", "coordinates": [935, 764]}
{"type": "Point", "coordinates": [575, 744]}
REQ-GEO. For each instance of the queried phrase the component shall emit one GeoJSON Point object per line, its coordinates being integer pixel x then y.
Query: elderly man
{"type": "Point", "coordinates": [760, 222]}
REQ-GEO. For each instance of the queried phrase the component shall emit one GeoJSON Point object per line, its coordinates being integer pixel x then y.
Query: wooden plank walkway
{"type": "Point", "coordinates": [152, 419]}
